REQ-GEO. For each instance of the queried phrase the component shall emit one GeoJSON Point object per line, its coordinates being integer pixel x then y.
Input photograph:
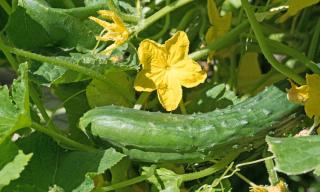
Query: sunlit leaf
{"type": "Point", "coordinates": [51, 165]}
{"type": "Point", "coordinates": [12, 162]}
{"type": "Point", "coordinates": [296, 155]}
{"type": "Point", "coordinates": [14, 110]}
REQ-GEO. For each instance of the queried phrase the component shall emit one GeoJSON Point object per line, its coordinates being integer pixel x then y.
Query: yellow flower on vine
{"type": "Point", "coordinates": [116, 31]}
{"type": "Point", "coordinates": [309, 95]}
{"type": "Point", "coordinates": [219, 25]}
{"type": "Point", "coordinates": [166, 67]}
{"type": "Point", "coordinates": [295, 6]}
{"type": "Point", "coordinates": [280, 187]}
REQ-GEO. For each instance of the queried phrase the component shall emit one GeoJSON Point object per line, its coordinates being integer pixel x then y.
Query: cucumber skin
{"type": "Point", "coordinates": [162, 137]}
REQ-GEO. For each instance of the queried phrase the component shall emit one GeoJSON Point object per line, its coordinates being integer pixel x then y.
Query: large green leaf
{"type": "Point", "coordinates": [14, 110]}
{"type": "Point", "coordinates": [50, 74]}
{"type": "Point", "coordinates": [165, 180]}
{"type": "Point", "coordinates": [62, 28]}
{"type": "Point", "coordinates": [296, 155]}
{"type": "Point", "coordinates": [208, 97]}
{"type": "Point", "coordinates": [101, 93]}
{"type": "Point", "coordinates": [76, 104]}
{"type": "Point", "coordinates": [51, 165]}
{"type": "Point", "coordinates": [12, 162]}
{"type": "Point", "coordinates": [25, 32]}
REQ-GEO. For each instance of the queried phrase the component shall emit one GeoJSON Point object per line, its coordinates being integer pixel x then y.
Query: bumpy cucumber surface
{"type": "Point", "coordinates": [161, 137]}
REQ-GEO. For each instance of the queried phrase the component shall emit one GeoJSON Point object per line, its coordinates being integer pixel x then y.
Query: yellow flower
{"type": "Point", "coordinates": [116, 31]}
{"type": "Point", "coordinates": [280, 187]}
{"type": "Point", "coordinates": [309, 95]}
{"type": "Point", "coordinates": [220, 25]}
{"type": "Point", "coordinates": [295, 6]}
{"type": "Point", "coordinates": [166, 68]}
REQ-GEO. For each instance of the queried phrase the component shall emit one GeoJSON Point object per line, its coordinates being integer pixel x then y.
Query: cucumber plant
{"type": "Point", "coordinates": [166, 95]}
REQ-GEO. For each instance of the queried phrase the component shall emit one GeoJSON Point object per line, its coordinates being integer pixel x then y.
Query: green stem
{"type": "Point", "coordinates": [128, 182]}
{"type": "Point", "coordinates": [186, 19]}
{"type": "Point", "coordinates": [233, 72]}
{"type": "Point", "coordinates": [183, 108]}
{"type": "Point", "coordinates": [284, 49]}
{"type": "Point", "coordinates": [63, 139]}
{"type": "Point", "coordinates": [314, 42]}
{"type": "Point", "coordinates": [6, 6]}
{"type": "Point", "coordinates": [7, 54]}
{"type": "Point", "coordinates": [273, 176]}
{"type": "Point", "coordinates": [211, 170]}
{"type": "Point", "coordinates": [14, 5]}
{"type": "Point", "coordinates": [138, 7]}
{"type": "Point", "coordinates": [74, 67]}
{"type": "Point", "coordinates": [159, 14]}
{"type": "Point", "coordinates": [164, 27]}
{"type": "Point", "coordinates": [37, 101]}
{"type": "Point", "coordinates": [228, 39]}
{"type": "Point", "coordinates": [265, 48]}
{"type": "Point", "coordinates": [245, 179]}
{"type": "Point", "coordinates": [315, 125]}
{"type": "Point", "coordinates": [124, 16]}
{"type": "Point", "coordinates": [141, 100]}
{"type": "Point", "coordinates": [204, 24]}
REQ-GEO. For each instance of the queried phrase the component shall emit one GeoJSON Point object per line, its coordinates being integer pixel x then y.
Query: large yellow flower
{"type": "Point", "coordinates": [166, 68]}
{"type": "Point", "coordinates": [116, 31]}
{"type": "Point", "coordinates": [309, 95]}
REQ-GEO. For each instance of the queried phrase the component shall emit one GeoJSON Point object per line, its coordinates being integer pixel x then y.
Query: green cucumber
{"type": "Point", "coordinates": [163, 137]}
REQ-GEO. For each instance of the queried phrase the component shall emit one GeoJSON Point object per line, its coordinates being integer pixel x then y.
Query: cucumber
{"type": "Point", "coordinates": [163, 137]}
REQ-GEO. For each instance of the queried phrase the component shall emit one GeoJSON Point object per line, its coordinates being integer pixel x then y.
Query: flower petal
{"type": "Point", "coordinates": [103, 23]}
{"type": "Point", "coordinates": [152, 55]}
{"type": "Point", "coordinates": [312, 105]}
{"type": "Point", "coordinates": [213, 12]}
{"type": "Point", "coordinates": [177, 47]}
{"type": "Point", "coordinates": [219, 28]}
{"type": "Point", "coordinates": [169, 92]}
{"type": "Point", "coordinates": [111, 16]}
{"type": "Point", "coordinates": [298, 94]}
{"type": "Point", "coordinates": [143, 83]}
{"type": "Point", "coordinates": [189, 73]}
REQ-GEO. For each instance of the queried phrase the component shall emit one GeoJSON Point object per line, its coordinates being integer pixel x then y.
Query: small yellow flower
{"type": "Point", "coordinates": [295, 6]}
{"type": "Point", "coordinates": [280, 187]}
{"type": "Point", "coordinates": [309, 95]}
{"type": "Point", "coordinates": [116, 31]}
{"type": "Point", "coordinates": [220, 25]}
{"type": "Point", "coordinates": [166, 68]}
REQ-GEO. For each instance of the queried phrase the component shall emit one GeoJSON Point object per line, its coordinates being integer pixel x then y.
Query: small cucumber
{"type": "Point", "coordinates": [163, 137]}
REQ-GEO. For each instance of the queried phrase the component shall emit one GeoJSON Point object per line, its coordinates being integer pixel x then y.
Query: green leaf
{"type": "Point", "coordinates": [296, 155]}
{"type": "Point", "coordinates": [56, 188]}
{"type": "Point", "coordinates": [12, 162]}
{"type": "Point", "coordinates": [101, 93]}
{"type": "Point", "coordinates": [51, 165]}
{"type": "Point", "coordinates": [87, 184]}
{"type": "Point", "coordinates": [14, 110]}
{"type": "Point", "coordinates": [208, 97]}
{"type": "Point", "coordinates": [48, 74]}
{"type": "Point", "coordinates": [62, 28]}
{"type": "Point", "coordinates": [25, 32]}
{"type": "Point", "coordinates": [76, 104]}
{"type": "Point", "coordinates": [249, 71]}
{"type": "Point", "coordinates": [164, 179]}
{"type": "Point", "coordinates": [120, 173]}
{"type": "Point", "coordinates": [94, 2]}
